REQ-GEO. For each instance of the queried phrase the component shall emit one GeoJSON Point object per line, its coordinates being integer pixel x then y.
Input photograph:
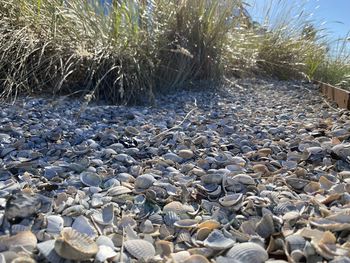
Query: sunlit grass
{"type": "Point", "coordinates": [126, 52]}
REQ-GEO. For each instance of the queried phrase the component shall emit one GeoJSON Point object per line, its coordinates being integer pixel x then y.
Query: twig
{"type": "Point", "coordinates": [178, 125]}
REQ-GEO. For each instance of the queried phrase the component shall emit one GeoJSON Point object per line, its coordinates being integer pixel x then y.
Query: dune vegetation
{"type": "Point", "coordinates": [128, 51]}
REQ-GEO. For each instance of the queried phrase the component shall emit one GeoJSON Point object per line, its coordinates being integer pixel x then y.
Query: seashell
{"type": "Point", "coordinates": [261, 169]}
{"type": "Point", "coordinates": [127, 221]}
{"type": "Point", "coordinates": [196, 259]}
{"type": "Point", "coordinates": [156, 219]}
{"type": "Point", "coordinates": [111, 183]}
{"type": "Point", "coordinates": [312, 187]}
{"type": "Point", "coordinates": [209, 224]}
{"type": "Point", "coordinates": [105, 216]}
{"type": "Point", "coordinates": [295, 242]}
{"type": "Point", "coordinates": [146, 227]}
{"type": "Point", "coordinates": [164, 248]}
{"type": "Point", "coordinates": [139, 248]}
{"type": "Point", "coordinates": [179, 256]}
{"type": "Point", "coordinates": [23, 259]}
{"type": "Point", "coordinates": [203, 233]}
{"type": "Point", "coordinates": [25, 239]}
{"type": "Point", "coordinates": [325, 183]}
{"type": "Point", "coordinates": [217, 240]}
{"type": "Point", "coordinates": [248, 252]}
{"type": "Point", "coordinates": [104, 253]}
{"type": "Point", "coordinates": [185, 154]}
{"type": "Point", "coordinates": [75, 210]}
{"type": "Point", "coordinates": [231, 200]}
{"type": "Point", "coordinates": [144, 181]}
{"type": "Point", "coordinates": [186, 223]}
{"type": "Point", "coordinates": [105, 241]}
{"type": "Point", "coordinates": [118, 190]}
{"type": "Point", "coordinates": [296, 183]}
{"type": "Point", "coordinates": [327, 224]}
{"type": "Point", "coordinates": [82, 225]}
{"type": "Point", "coordinates": [47, 249]}
{"type": "Point", "coordinates": [240, 178]}
{"type": "Point", "coordinates": [90, 179]}
{"type": "Point", "coordinates": [183, 236]}
{"type": "Point", "coordinates": [177, 207]}
{"type": "Point", "coordinates": [265, 226]}
{"type": "Point", "coordinates": [204, 251]}
{"type": "Point", "coordinates": [74, 245]}
{"type": "Point", "coordinates": [131, 131]}
{"type": "Point", "coordinates": [54, 224]}
{"type": "Point", "coordinates": [170, 218]}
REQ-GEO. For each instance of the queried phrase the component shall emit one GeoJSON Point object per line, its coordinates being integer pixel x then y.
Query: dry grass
{"type": "Point", "coordinates": [126, 52]}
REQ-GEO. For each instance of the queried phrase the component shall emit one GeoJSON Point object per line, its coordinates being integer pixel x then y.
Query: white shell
{"type": "Point", "coordinates": [248, 252]}
{"type": "Point", "coordinates": [118, 190]}
{"type": "Point", "coordinates": [82, 225]}
{"type": "Point", "coordinates": [217, 240]}
{"type": "Point", "coordinates": [144, 181]}
{"type": "Point", "coordinates": [47, 249]}
{"type": "Point", "coordinates": [104, 253]}
{"type": "Point", "coordinates": [105, 216]}
{"type": "Point", "coordinates": [139, 248]}
{"type": "Point", "coordinates": [90, 179]}
{"type": "Point", "coordinates": [54, 224]}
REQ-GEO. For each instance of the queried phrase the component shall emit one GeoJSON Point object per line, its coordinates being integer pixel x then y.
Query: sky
{"type": "Point", "coordinates": [331, 14]}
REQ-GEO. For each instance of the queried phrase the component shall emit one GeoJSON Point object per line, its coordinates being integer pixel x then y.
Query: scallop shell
{"type": "Point", "coordinates": [74, 245]}
{"type": "Point", "coordinates": [170, 218]}
{"type": "Point", "coordinates": [25, 239]}
{"type": "Point", "coordinates": [248, 252]}
{"type": "Point", "coordinates": [105, 241]}
{"type": "Point", "coordinates": [90, 179]}
{"type": "Point", "coordinates": [82, 225]}
{"type": "Point", "coordinates": [139, 248]}
{"type": "Point", "coordinates": [230, 200]}
{"type": "Point", "coordinates": [47, 249]}
{"type": "Point", "coordinates": [105, 216]}
{"type": "Point", "coordinates": [217, 240]}
{"type": "Point", "coordinates": [144, 181]}
{"type": "Point", "coordinates": [186, 223]}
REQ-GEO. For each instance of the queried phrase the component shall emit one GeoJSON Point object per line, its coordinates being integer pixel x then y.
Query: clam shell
{"type": "Point", "coordinates": [74, 245]}
{"type": "Point", "coordinates": [90, 179]}
{"type": "Point", "coordinates": [265, 227]}
{"type": "Point", "coordinates": [105, 216]}
{"type": "Point", "coordinates": [25, 239]}
{"type": "Point", "coordinates": [217, 240]}
{"type": "Point", "coordinates": [165, 248]}
{"type": "Point", "coordinates": [209, 224]}
{"type": "Point", "coordinates": [139, 248]}
{"type": "Point", "coordinates": [54, 224]}
{"type": "Point", "coordinates": [186, 223]}
{"type": "Point", "coordinates": [144, 181]}
{"type": "Point", "coordinates": [118, 190]}
{"type": "Point", "coordinates": [82, 225]}
{"type": "Point", "coordinates": [230, 200]}
{"type": "Point", "coordinates": [248, 252]}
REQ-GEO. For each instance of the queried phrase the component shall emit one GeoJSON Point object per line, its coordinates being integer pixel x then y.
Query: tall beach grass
{"type": "Point", "coordinates": [129, 50]}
